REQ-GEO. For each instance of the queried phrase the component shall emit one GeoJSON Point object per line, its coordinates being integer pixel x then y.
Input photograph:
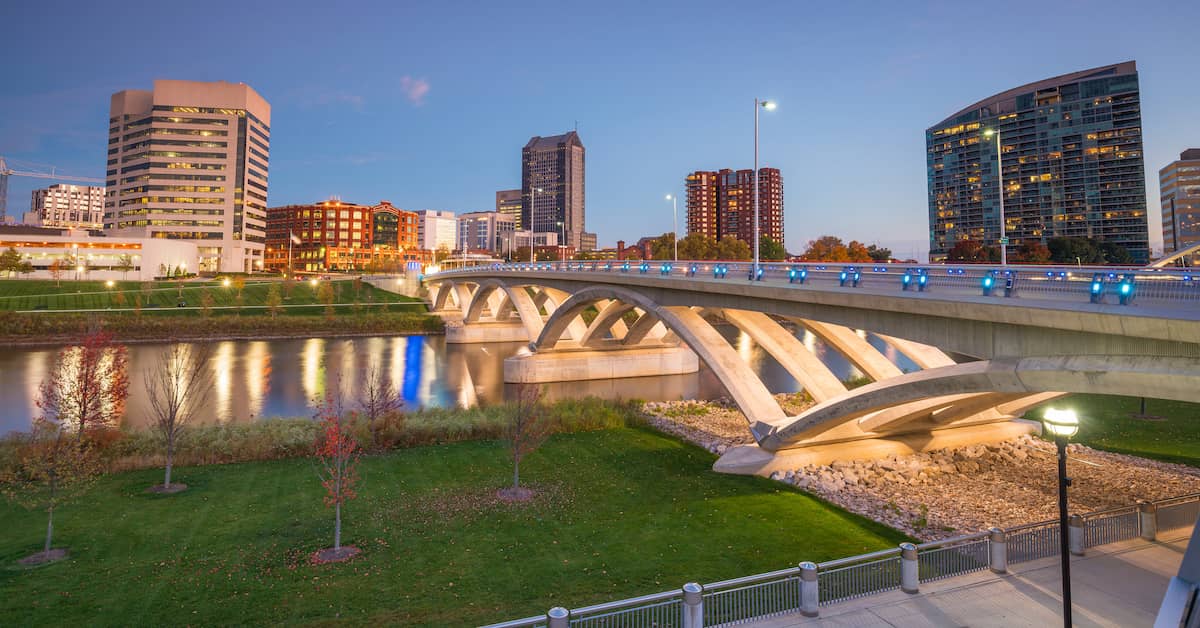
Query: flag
{"type": "Point", "coordinates": [294, 237]}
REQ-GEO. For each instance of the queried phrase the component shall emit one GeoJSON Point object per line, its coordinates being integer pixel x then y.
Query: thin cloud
{"type": "Point", "coordinates": [414, 89]}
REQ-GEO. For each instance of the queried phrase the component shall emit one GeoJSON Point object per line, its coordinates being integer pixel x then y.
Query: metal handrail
{"type": "Point", "coordinates": [744, 580]}
{"type": "Point", "coordinates": [633, 601]}
{"type": "Point", "coordinates": [966, 538]}
{"type": "Point", "coordinates": [861, 558]}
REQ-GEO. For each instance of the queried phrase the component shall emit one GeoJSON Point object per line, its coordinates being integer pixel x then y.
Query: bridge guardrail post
{"type": "Point", "coordinates": [1096, 290]}
{"type": "Point", "coordinates": [989, 282]}
{"type": "Point", "coordinates": [1010, 284]}
{"type": "Point", "coordinates": [909, 569]}
{"type": "Point", "coordinates": [998, 550]}
{"type": "Point", "coordinates": [1076, 527]}
{"type": "Point", "coordinates": [922, 280]}
{"type": "Point", "coordinates": [693, 606]}
{"type": "Point", "coordinates": [558, 617]}
{"type": "Point", "coordinates": [810, 598]}
{"type": "Point", "coordinates": [1147, 520]}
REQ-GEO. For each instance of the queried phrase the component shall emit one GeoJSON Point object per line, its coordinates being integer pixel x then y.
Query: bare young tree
{"type": "Point", "coordinates": [527, 428]}
{"type": "Point", "coordinates": [336, 453]}
{"type": "Point", "coordinates": [177, 386]}
{"type": "Point", "coordinates": [377, 398]}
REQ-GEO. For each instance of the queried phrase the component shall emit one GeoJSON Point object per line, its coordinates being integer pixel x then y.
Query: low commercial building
{"type": "Point", "coordinates": [75, 254]}
{"type": "Point", "coordinates": [335, 235]}
{"type": "Point", "coordinates": [485, 232]}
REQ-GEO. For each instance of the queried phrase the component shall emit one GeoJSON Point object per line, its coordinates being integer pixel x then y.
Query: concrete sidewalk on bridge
{"type": "Point", "coordinates": [1121, 584]}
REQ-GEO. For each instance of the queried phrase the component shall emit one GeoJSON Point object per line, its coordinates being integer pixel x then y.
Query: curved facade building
{"type": "Point", "coordinates": [1071, 148]}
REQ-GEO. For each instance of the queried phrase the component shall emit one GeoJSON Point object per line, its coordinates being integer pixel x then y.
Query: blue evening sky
{"type": "Point", "coordinates": [427, 104]}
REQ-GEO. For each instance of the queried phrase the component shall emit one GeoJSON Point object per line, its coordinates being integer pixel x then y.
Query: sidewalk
{"type": "Point", "coordinates": [1120, 584]}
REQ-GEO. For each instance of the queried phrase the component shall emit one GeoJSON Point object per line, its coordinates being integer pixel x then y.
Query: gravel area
{"type": "Point", "coordinates": [949, 492]}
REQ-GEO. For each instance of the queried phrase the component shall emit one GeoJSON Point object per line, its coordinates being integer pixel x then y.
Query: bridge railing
{"type": "Point", "coordinates": [808, 586]}
{"type": "Point", "coordinates": [1094, 283]}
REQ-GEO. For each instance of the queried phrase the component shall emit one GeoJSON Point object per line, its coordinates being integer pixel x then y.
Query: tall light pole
{"type": "Point", "coordinates": [1063, 424]}
{"type": "Point", "coordinates": [532, 195]}
{"type": "Point", "coordinates": [1000, 175]}
{"type": "Point", "coordinates": [768, 105]}
{"type": "Point", "coordinates": [675, 219]}
{"type": "Point", "coordinates": [562, 250]}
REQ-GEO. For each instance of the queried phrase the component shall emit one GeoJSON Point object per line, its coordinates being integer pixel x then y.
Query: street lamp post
{"type": "Point", "coordinates": [768, 105]}
{"type": "Point", "coordinates": [1063, 424]}
{"type": "Point", "coordinates": [562, 250]}
{"type": "Point", "coordinates": [675, 219]}
{"type": "Point", "coordinates": [1000, 179]}
{"type": "Point", "coordinates": [532, 195]}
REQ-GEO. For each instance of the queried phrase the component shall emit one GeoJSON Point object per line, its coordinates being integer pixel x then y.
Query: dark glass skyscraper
{"type": "Point", "coordinates": [1072, 164]}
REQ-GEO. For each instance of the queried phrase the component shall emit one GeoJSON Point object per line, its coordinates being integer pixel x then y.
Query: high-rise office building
{"type": "Point", "coordinates": [555, 165]}
{"type": "Point", "coordinates": [1071, 148]}
{"type": "Point", "coordinates": [1179, 189]}
{"type": "Point", "coordinates": [69, 206]}
{"type": "Point", "coordinates": [188, 161]}
{"type": "Point", "coordinates": [721, 203]}
{"type": "Point", "coordinates": [437, 230]}
{"type": "Point", "coordinates": [508, 202]}
{"type": "Point", "coordinates": [490, 232]}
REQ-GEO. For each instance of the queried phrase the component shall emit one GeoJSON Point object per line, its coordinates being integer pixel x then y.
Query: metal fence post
{"type": "Point", "coordinates": [998, 550]}
{"type": "Point", "coordinates": [1075, 534]}
{"type": "Point", "coordinates": [810, 598]}
{"type": "Point", "coordinates": [1148, 520]}
{"type": "Point", "coordinates": [558, 617]}
{"type": "Point", "coordinates": [693, 605]}
{"type": "Point", "coordinates": [909, 571]}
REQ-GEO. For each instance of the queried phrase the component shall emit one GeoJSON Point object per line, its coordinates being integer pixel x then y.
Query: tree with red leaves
{"type": "Point", "coordinates": [337, 454]}
{"type": "Point", "coordinates": [528, 427]}
{"type": "Point", "coordinates": [88, 385]}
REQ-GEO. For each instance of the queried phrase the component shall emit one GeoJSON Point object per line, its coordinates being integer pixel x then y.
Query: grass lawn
{"type": "Point", "coordinates": [28, 294]}
{"type": "Point", "coordinates": [622, 512]}
{"type": "Point", "coordinates": [1108, 422]}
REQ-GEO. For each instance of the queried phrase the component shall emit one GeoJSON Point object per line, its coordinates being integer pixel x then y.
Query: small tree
{"type": "Point", "coordinates": [124, 264]}
{"type": "Point", "coordinates": [25, 267]}
{"type": "Point", "coordinates": [239, 283]}
{"type": "Point", "coordinates": [325, 295]}
{"type": "Point", "coordinates": [10, 261]}
{"type": "Point", "coordinates": [526, 430]}
{"type": "Point", "coordinates": [206, 303]}
{"type": "Point", "coordinates": [50, 467]}
{"type": "Point", "coordinates": [87, 386]}
{"type": "Point", "coordinates": [288, 284]}
{"type": "Point", "coordinates": [57, 268]}
{"type": "Point", "coordinates": [336, 453]}
{"type": "Point", "coordinates": [176, 388]}
{"type": "Point", "coordinates": [377, 398]}
{"type": "Point", "coordinates": [274, 300]}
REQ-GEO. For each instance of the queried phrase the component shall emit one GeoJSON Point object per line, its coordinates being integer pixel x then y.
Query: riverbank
{"type": "Point", "coordinates": [948, 492]}
{"type": "Point", "coordinates": [619, 512]}
{"type": "Point", "coordinates": [46, 329]}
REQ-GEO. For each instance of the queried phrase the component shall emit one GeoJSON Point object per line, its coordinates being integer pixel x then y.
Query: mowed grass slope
{"type": "Point", "coordinates": [21, 294]}
{"type": "Point", "coordinates": [1170, 432]}
{"type": "Point", "coordinates": [622, 512]}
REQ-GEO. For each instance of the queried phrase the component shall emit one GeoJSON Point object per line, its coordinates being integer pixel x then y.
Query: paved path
{"type": "Point", "coordinates": [1120, 584]}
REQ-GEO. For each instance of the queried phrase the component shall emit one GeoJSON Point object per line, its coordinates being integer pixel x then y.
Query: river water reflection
{"type": "Point", "coordinates": [282, 378]}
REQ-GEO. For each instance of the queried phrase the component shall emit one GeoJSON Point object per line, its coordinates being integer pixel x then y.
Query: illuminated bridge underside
{"type": "Point", "coordinates": [944, 404]}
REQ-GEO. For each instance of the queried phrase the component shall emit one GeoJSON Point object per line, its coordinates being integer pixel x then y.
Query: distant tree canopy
{"type": "Point", "coordinates": [1087, 251]}
{"type": "Point", "coordinates": [832, 249]}
{"type": "Point", "coordinates": [770, 250]}
{"type": "Point", "coordinates": [879, 254]}
{"type": "Point", "coordinates": [699, 247]}
{"type": "Point", "coordinates": [973, 252]}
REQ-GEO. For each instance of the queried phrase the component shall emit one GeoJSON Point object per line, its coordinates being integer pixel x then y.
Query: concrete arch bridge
{"type": "Point", "coordinates": [1014, 353]}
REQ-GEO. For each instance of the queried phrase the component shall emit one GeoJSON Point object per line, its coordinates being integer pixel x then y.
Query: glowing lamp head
{"type": "Point", "coordinates": [313, 283]}
{"type": "Point", "coordinates": [1062, 423]}
{"type": "Point", "coordinates": [669, 197]}
{"type": "Point", "coordinates": [225, 282]}
{"type": "Point", "coordinates": [109, 283]}
{"type": "Point", "coordinates": [79, 268]}
{"type": "Point", "coordinates": [769, 105]}
{"type": "Point", "coordinates": [989, 133]}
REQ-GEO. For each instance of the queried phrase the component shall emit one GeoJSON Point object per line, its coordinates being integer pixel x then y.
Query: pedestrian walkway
{"type": "Point", "coordinates": [1120, 584]}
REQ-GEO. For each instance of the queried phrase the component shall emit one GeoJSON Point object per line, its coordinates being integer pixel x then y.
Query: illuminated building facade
{"type": "Point", "coordinates": [70, 206]}
{"type": "Point", "coordinates": [555, 165]}
{"type": "Point", "coordinates": [1072, 165]}
{"type": "Point", "coordinates": [331, 235]}
{"type": "Point", "coordinates": [189, 161]}
{"type": "Point", "coordinates": [721, 203]}
{"type": "Point", "coordinates": [508, 202]}
{"type": "Point", "coordinates": [1179, 189]}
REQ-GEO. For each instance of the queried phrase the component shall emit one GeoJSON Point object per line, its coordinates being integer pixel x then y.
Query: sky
{"type": "Point", "coordinates": [427, 104]}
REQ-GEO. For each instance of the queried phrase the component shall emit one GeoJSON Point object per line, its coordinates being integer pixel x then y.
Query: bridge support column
{"type": "Point", "coordinates": [465, 333]}
{"type": "Point", "coordinates": [577, 365]}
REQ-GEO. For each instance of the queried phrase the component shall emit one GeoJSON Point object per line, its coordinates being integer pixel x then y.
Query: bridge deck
{"type": "Point", "coordinates": [1121, 584]}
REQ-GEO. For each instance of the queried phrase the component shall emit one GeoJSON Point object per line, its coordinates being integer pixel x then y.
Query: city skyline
{"type": "Point", "coordinates": [433, 123]}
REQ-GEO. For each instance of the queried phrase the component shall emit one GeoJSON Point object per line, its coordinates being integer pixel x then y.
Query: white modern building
{"type": "Point", "coordinates": [189, 161]}
{"type": "Point", "coordinates": [437, 230]}
{"type": "Point", "coordinates": [70, 206]}
{"type": "Point", "coordinates": [485, 231]}
{"type": "Point", "coordinates": [74, 254]}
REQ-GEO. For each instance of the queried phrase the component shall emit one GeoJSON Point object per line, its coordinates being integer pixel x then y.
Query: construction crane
{"type": "Point", "coordinates": [5, 171]}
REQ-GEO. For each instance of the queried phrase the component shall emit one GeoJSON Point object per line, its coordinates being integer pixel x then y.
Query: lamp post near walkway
{"type": "Point", "coordinates": [1063, 424]}
{"type": "Point", "coordinates": [769, 106]}
{"type": "Point", "coordinates": [1000, 180]}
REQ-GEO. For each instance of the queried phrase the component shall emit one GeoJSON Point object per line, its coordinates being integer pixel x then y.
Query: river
{"type": "Point", "coordinates": [282, 378]}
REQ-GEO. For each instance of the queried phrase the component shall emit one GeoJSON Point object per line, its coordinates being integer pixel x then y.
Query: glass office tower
{"type": "Point", "coordinates": [1071, 148]}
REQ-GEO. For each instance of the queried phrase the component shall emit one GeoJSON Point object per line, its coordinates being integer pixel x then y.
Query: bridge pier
{"type": "Point", "coordinates": [570, 365]}
{"type": "Point", "coordinates": [754, 460]}
{"type": "Point", "coordinates": [459, 332]}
